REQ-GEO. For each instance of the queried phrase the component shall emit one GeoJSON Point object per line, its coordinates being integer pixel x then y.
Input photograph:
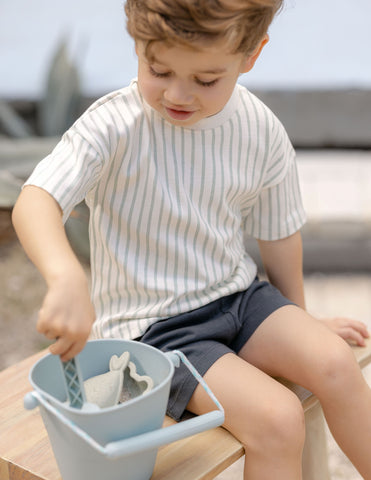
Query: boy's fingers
{"type": "Point", "coordinates": [341, 324]}
{"type": "Point", "coordinates": [359, 327]}
{"type": "Point", "coordinates": [61, 346]}
{"type": "Point", "coordinates": [363, 329]}
{"type": "Point", "coordinates": [353, 336]}
{"type": "Point", "coordinates": [66, 349]}
{"type": "Point", "coordinates": [73, 351]}
{"type": "Point", "coordinates": [50, 334]}
{"type": "Point", "coordinates": [357, 338]}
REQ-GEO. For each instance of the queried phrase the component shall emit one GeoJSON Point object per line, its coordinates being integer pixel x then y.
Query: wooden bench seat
{"type": "Point", "coordinates": [26, 454]}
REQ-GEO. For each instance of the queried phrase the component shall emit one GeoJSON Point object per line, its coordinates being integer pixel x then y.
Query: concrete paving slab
{"type": "Point", "coordinates": [336, 184]}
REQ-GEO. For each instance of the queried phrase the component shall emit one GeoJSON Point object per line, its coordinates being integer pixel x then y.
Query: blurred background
{"type": "Point", "coordinates": [315, 74]}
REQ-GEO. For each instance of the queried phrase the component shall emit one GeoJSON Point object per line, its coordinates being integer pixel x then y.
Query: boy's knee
{"type": "Point", "coordinates": [336, 367]}
{"type": "Point", "coordinates": [285, 423]}
{"type": "Point", "coordinates": [281, 426]}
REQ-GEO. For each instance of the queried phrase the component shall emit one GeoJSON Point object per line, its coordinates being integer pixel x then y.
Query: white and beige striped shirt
{"type": "Point", "coordinates": [169, 206]}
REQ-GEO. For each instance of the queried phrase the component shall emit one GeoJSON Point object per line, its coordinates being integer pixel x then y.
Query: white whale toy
{"type": "Point", "coordinates": [120, 384]}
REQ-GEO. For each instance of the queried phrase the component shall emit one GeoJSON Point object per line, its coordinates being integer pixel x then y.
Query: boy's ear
{"type": "Point", "coordinates": [249, 62]}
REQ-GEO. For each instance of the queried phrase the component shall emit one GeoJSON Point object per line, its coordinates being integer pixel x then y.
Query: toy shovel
{"type": "Point", "coordinates": [74, 383]}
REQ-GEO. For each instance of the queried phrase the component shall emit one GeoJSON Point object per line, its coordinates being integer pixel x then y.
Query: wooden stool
{"type": "Point", "coordinates": [26, 454]}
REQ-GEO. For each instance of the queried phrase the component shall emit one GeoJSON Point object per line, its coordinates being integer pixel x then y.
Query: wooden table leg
{"type": "Point", "coordinates": [315, 459]}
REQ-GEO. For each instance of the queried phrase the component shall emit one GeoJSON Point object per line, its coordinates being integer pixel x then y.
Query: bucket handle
{"type": "Point", "coordinates": [145, 441]}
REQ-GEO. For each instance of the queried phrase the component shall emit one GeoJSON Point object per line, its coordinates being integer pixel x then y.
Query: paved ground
{"type": "Point", "coordinates": [335, 184]}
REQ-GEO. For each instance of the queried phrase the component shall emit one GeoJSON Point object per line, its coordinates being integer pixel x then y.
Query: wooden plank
{"type": "Point", "coordinates": [24, 444]}
{"type": "Point", "coordinates": [26, 454]}
{"type": "Point", "coordinates": [363, 354]}
{"type": "Point", "coordinates": [200, 457]}
{"type": "Point", "coordinates": [4, 469]}
{"type": "Point", "coordinates": [315, 454]}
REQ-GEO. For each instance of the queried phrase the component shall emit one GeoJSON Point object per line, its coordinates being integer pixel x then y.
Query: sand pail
{"type": "Point", "coordinates": [119, 442]}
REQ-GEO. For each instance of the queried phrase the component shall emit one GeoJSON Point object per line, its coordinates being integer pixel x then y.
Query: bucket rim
{"type": "Point", "coordinates": [65, 405]}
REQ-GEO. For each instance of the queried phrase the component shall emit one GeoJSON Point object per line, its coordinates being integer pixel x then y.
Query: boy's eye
{"type": "Point", "coordinates": [158, 74]}
{"type": "Point", "coordinates": [206, 84]}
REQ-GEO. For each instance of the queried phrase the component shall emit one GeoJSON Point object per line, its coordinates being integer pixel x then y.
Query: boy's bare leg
{"type": "Point", "coordinates": [265, 416]}
{"type": "Point", "coordinates": [293, 345]}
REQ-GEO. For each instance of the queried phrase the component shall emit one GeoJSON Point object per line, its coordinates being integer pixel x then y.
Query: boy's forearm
{"type": "Point", "coordinates": [66, 314]}
{"type": "Point", "coordinates": [283, 264]}
{"type": "Point", "coordinates": [37, 219]}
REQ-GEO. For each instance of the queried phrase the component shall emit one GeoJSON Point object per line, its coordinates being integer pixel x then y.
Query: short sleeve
{"type": "Point", "coordinates": [69, 172]}
{"type": "Point", "coordinates": [278, 211]}
{"type": "Point", "coordinates": [97, 139]}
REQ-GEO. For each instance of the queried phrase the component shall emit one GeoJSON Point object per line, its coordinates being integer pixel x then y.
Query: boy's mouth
{"type": "Point", "coordinates": [178, 114]}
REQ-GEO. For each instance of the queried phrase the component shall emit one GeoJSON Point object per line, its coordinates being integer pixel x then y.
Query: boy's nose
{"type": "Point", "coordinates": [178, 93]}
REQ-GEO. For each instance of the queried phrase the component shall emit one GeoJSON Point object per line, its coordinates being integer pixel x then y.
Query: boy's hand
{"type": "Point", "coordinates": [350, 330]}
{"type": "Point", "coordinates": [67, 315]}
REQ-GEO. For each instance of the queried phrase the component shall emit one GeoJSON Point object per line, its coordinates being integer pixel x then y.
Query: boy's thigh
{"type": "Point", "coordinates": [292, 344]}
{"type": "Point", "coordinates": [246, 394]}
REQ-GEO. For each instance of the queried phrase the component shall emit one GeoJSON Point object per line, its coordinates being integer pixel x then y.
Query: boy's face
{"type": "Point", "coordinates": [186, 85]}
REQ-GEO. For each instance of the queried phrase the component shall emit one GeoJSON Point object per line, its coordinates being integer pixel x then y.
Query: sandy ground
{"type": "Point", "coordinates": [22, 290]}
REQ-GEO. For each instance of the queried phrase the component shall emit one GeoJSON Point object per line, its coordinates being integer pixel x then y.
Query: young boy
{"type": "Point", "coordinates": [175, 169]}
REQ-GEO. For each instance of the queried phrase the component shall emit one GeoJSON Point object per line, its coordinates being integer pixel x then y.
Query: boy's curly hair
{"type": "Point", "coordinates": [240, 24]}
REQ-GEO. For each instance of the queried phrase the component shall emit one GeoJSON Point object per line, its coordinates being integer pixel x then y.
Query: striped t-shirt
{"type": "Point", "coordinates": [170, 205]}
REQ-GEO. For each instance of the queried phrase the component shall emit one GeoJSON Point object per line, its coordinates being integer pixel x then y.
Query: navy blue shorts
{"type": "Point", "coordinates": [207, 333]}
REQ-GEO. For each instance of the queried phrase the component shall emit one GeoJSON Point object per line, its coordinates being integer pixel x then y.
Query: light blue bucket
{"type": "Point", "coordinates": [120, 442]}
